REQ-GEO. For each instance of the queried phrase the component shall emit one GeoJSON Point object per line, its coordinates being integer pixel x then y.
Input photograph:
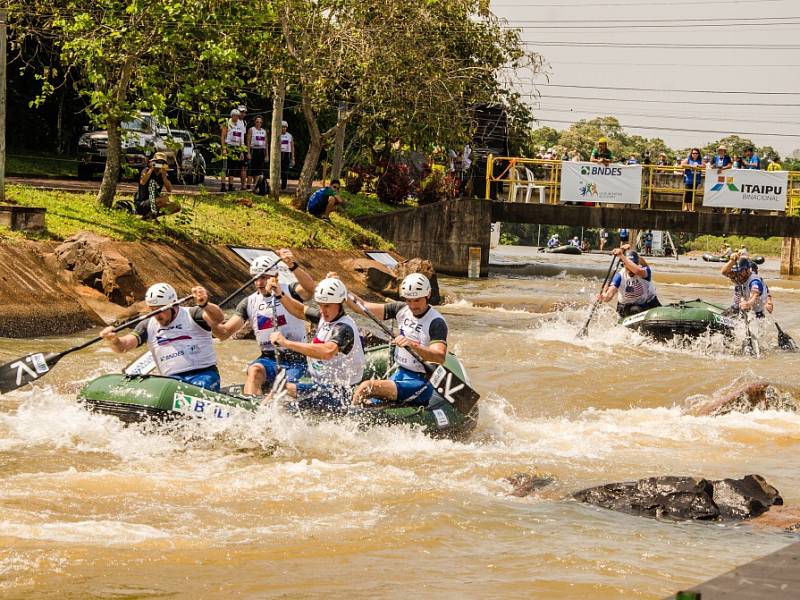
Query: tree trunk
{"type": "Point", "coordinates": [108, 187]}
{"type": "Point", "coordinates": [338, 144]}
{"type": "Point", "coordinates": [278, 95]}
{"type": "Point", "coordinates": [312, 157]}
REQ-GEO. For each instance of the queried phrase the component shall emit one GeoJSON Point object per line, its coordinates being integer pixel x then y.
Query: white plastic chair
{"type": "Point", "coordinates": [530, 187]}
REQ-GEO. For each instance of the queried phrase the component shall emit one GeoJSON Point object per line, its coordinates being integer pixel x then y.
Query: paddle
{"type": "Point", "coordinates": [451, 387]}
{"type": "Point", "coordinates": [749, 340]}
{"type": "Point", "coordinates": [585, 328]}
{"type": "Point", "coordinates": [145, 364]}
{"type": "Point", "coordinates": [29, 368]}
{"type": "Point", "coordinates": [280, 377]}
{"type": "Point", "coordinates": [785, 341]}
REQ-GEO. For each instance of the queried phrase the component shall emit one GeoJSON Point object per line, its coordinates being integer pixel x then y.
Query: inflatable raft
{"type": "Point", "coordinates": [687, 317]}
{"type": "Point", "coordinates": [568, 249]}
{"type": "Point", "coordinates": [759, 260]}
{"type": "Point", "coordinates": [152, 397]}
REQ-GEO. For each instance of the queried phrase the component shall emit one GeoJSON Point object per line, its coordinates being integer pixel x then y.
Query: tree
{"type": "Point", "coordinates": [543, 137]}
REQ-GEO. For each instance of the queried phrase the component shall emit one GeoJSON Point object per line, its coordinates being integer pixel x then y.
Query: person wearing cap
{"type": "Point", "coordinates": [287, 153]}
{"type": "Point", "coordinates": [259, 309]}
{"type": "Point", "coordinates": [423, 329]}
{"type": "Point", "coordinates": [721, 160]}
{"type": "Point", "coordinates": [633, 285]}
{"type": "Point", "coordinates": [234, 150]}
{"type": "Point", "coordinates": [602, 154]}
{"type": "Point", "coordinates": [179, 338]}
{"type": "Point", "coordinates": [149, 201]}
{"type": "Point", "coordinates": [257, 148]}
{"type": "Point", "coordinates": [335, 356]}
{"type": "Point", "coordinates": [749, 290]}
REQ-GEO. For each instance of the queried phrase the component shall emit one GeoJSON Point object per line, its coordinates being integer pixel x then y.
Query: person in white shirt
{"type": "Point", "coordinates": [287, 154]}
{"type": "Point", "coordinates": [257, 148]}
{"type": "Point", "coordinates": [234, 150]}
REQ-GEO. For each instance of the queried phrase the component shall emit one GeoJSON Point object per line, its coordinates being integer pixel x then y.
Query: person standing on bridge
{"type": "Point", "coordinates": [633, 285]}
{"type": "Point", "coordinates": [721, 161]}
{"type": "Point", "coordinates": [692, 177]}
{"type": "Point", "coordinates": [602, 154]}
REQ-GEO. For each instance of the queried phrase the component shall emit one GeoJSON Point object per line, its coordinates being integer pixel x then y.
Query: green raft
{"type": "Point", "coordinates": [566, 249]}
{"type": "Point", "coordinates": [687, 318]}
{"type": "Point", "coordinates": [151, 397]}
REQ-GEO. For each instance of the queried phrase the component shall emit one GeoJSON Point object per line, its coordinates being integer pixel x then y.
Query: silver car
{"type": "Point", "coordinates": [192, 164]}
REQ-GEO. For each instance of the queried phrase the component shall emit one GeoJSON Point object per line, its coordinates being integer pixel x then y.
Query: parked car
{"type": "Point", "coordinates": [142, 136]}
{"type": "Point", "coordinates": [191, 161]}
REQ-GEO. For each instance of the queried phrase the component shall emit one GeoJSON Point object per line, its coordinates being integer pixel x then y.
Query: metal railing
{"type": "Point", "coordinates": [661, 184]}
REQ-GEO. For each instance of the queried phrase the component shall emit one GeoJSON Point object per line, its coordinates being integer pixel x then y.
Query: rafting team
{"type": "Point", "coordinates": [180, 339]}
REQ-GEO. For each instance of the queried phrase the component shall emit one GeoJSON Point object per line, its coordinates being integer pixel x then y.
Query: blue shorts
{"type": "Point", "coordinates": [412, 387]}
{"type": "Point", "coordinates": [318, 396]}
{"type": "Point", "coordinates": [205, 378]}
{"type": "Point", "coordinates": [316, 207]}
{"type": "Point", "coordinates": [294, 370]}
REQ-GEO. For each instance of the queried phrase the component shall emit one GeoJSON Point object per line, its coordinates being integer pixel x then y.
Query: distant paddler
{"type": "Point", "coordinates": [422, 328]}
{"type": "Point", "coordinates": [553, 241]}
{"type": "Point", "coordinates": [179, 338]}
{"type": "Point", "coordinates": [633, 284]}
{"type": "Point", "coordinates": [264, 310]}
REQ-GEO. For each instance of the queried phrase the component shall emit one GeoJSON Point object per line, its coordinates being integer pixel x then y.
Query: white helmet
{"type": "Point", "coordinates": [415, 285]}
{"type": "Point", "coordinates": [160, 294]}
{"type": "Point", "coordinates": [330, 291]}
{"type": "Point", "coordinates": [260, 264]}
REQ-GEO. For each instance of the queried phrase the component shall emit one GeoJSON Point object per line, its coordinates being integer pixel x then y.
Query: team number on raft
{"type": "Point", "coordinates": [199, 407]}
{"type": "Point", "coordinates": [38, 362]}
{"type": "Point", "coordinates": [443, 382]}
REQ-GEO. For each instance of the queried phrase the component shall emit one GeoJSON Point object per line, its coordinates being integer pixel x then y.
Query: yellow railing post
{"type": "Point", "coordinates": [489, 171]}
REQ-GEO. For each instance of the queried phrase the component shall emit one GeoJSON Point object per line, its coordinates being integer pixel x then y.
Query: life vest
{"type": "Point", "coordinates": [342, 369]}
{"type": "Point", "coordinates": [259, 311]}
{"type": "Point", "coordinates": [258, 138]}
{"type": "Point", "coordinates": [635, 290]}
{"type": "Point", "coordinates": [235, 134]}
{"type": "Point", "coordinates": [417, 329]}
{"type": "Point", "coordinates": [180, 346]}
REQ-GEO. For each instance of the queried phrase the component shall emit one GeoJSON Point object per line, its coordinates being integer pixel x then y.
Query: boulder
{"type": "Point", "coordinates": [686, 498]}
{"type": "Point", "coordinates": [93, 261]}
{"type": "Point", "coordinates": [525, 484]}
{"type": "Point", "coordinates": [744, 397]}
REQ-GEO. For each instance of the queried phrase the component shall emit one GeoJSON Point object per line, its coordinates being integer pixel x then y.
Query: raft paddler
{"type": "Point", "coordinates": [749, 290]}
{"type": "Point", "coordinates": [633, 284]}
{"type": "Point", "coordinates": [179, 338]}
{"type": "Point", "coordinates": [335, 355]}
{"type": "Point", "coordinates": [423, 329]}
{"type": "Point", "coordinates": [264, 310]}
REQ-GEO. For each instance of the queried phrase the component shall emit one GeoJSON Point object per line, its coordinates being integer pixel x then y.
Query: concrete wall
{"type": "Point", "coordinates": [790, 256]}
{"type": "Point", "coordinates": [441, 232]}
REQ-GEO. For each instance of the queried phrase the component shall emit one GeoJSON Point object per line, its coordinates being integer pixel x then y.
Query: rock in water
{"type": "Point", "coordinates": [686, 498]}
{"type": "Point", "coordinates": [744, 398]}
{"type": "Point", "coordinates": [526, 483]}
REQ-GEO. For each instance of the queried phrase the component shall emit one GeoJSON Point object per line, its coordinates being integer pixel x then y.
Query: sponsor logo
{"type": "Point", "coordinates": [749, 191]}
{"type": "Point", "coordinates": [587, 189]}
{"type": "Point", "coordinates": [597, 170]}
{"type": "Point", "coordinates": [723, 181]}
{"type": "Point", "coordinates": [165, 341]}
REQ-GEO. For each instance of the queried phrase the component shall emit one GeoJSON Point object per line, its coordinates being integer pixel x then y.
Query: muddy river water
{"type": "Point", "coordinates": [274, 506]}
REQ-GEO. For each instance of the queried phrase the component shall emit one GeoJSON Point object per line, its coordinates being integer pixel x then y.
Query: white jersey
{"type": "Point", "coordinates": [635, 290]}
{"type": "Point", "coordinates": [258, 138]}
{"type": "Point", "coordinates": [180, 346]}
{"type": "Point", "coordinates": [259, 311]}
{"type": "Point", "coordinates": [235, 134]}
{"type": "Point", "coordinates": [417, 329]}
{"type": "Point", "coordinates": [287, 142]}
{"type": "Point", "coordinates": [342, 369]}
{"type": "Point", "coordinates": [745, 290]}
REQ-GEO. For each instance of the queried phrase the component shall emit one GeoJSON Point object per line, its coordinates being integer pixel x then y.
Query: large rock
{"type": "Point", "coordinates": [744, 397]}
{"type": "Point", "coordinates": [94, 262]}
{"type": "Point", "coordinates": [686, 498]}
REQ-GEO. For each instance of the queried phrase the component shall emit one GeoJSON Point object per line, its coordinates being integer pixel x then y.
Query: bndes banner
{"type": "Point", "coordinates": [746, 188]}
{"type": "Point", "coordinates": [593, 182]}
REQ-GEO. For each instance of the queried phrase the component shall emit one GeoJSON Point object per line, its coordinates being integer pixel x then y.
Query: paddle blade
{"type": "Point", "coordinates": [785, 341]}
{"type": "Point", "coordinates": [144, 365]}
{"type": "Point", "coordinates": [22, 371]}
{"type": "Point", "coordinates": [453, 389]}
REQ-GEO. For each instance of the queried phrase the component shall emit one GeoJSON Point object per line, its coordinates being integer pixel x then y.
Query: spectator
{"type": "Point", "coordinates": [737, 161]}
{"type": "Point", "coordinates": [234, 149]}
{"type": "Point", "coordinates": [601, 154]}
{"type": "Point", "coordinates": [632, 160]}
{"type": "Point", "coordinates": [149, 202]}
{"type": "Point", "coordinates": [324, 201]}
{"type": "Point", "coordinates": [721, 160]}
{"type": "Point", "coordinates": [774, 165]}
{"type": "Point", "coordinates": [623, 236]}
{"type": "Point", "coordinates": [648, 243]}
{"type": "Point", "coordinates": [646, 157]}
{"type": "Point", "coordinates": [751, 159]}
{"type": "Point", "coordinates": [576, 156]}
{"type": "Point", "coordinates": [565, 156]}
{"type": "Point", "coordinates": [585, 245]}
{"type": "Point", "coordinates": [257, 148]}
{"type": "Point", "coordinates": [706, 160]}
{"type": "Point", "coordinates": [287, 154]}
{"type": "Point", "coordinates": [662, 160]}
{"type": "Point", "coordinates": [603, 238]}
{"type": "Point", "coordinates": [692, 177]}
{"type": "Point", "coordinates": [466, 170]}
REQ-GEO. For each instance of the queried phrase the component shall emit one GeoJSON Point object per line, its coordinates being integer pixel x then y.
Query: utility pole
{"type": "Point", "coordinates": [3, 42]}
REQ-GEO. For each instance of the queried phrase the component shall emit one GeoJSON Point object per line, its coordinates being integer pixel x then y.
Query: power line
{"type": "Point", "coordinates": [684, 21]}
{"type": "Point", "coordinates": [653, 26]}
{"type": "Point", "coordinates": [633, 89]}
{"type": "Point", "coordinates": [681, 64]}
{"type": "Point", "coordinates": [716, 131]}
{"type": "Point", "coordinates": [739, 47]}
{"type": "Point", "coordinates": [563, 109]}
{"type": "Point", "coordinates": [699, 102]}
{"type": "Point", "coordinates": [630, 5]}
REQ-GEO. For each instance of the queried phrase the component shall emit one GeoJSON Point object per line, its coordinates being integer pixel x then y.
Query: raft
{"type": "Point", "coordinates": [567, 249]}
{"type": "Point", "coordinates": [759, 260]}
{"type": "Point", "coordinates": [687, 318]}
{"type": "Point", "coordinates": [139, 398]}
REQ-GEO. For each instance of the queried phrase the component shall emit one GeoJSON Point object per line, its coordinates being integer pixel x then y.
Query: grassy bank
{"type": "Point", "coordinates": [712, 243]}
{"type": "Point", "coordinates": [210, 219]}
{"type": "Point", "coordinates": [26, 164]}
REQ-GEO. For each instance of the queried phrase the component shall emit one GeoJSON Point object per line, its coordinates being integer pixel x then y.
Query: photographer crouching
{"type": "Point", "coordinates": [149, 201]}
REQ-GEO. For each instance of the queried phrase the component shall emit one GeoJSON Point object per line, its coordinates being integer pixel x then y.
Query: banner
{"type": "Point", "coordinates": [594, 182]}
{"type": "Point", "coordinates": [746, 188]}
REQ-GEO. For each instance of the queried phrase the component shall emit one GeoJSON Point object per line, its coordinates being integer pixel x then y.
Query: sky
{"type": "Point", "coordinates": [687, 72]}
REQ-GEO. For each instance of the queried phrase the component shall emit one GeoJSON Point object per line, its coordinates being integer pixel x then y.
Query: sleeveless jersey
{"type": "Point", "coordinates": [286, 142]}
{"type": "Point", "coordinates": [744, 291]}
{"type": "Point", "coordinates": [417, 329]}
{"type": "Point", "coordinates": [235, 134]}
{"type": "Point", "coordinates": [342, 369]}
{"type": "Point", "coordinates": [634, 289]}
{"type": "Point", "coordinates": [259, 311]}
{"type": "Point", "coordinates": [180, 346]}
{"type": "Point", "coordinates": [258, 138]}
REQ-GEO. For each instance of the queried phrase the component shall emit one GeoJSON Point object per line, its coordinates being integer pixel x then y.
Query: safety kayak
{"type": "Point", "coordinates": [686, 318]}
{"type": "Point", "coordinates": [568, 249]}
{"type": "Point", "coordinates": [140, 398]}
{"type": "Point", "coordinates": [759, 260]}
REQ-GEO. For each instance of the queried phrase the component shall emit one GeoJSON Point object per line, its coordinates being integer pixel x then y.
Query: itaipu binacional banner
{"type": "Point", "coordinates": [594, 182]}
{"type": "Point", "coordinates": [745, 188]}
